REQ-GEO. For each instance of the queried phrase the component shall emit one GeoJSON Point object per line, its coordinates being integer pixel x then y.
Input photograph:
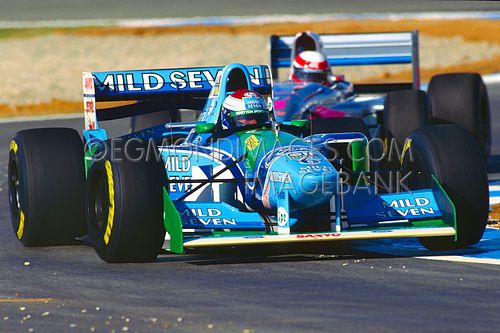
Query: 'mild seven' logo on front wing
{"type": "Point", "coordinates": [205, 216]}
{"type": "Point", "coordinates": [407, 208]}
{"type": "Point", "coordinates": [163, 80]}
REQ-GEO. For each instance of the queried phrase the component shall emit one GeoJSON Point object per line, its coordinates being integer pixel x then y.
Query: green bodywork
{"type": "Point", "coordinates": [359, 155]}
{"type": "Point", "coordinates": [257, 142]}
{"type": "Point", "coordinates": [446, 206]}
{"type": "Point", "coordinates": [173, 224]}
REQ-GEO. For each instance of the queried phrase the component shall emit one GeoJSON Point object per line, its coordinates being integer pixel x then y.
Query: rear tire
{"type": "Point", "coordinates": [462, 98]}
{"type": "Point", "coordinates": [124, 204]}
{"type": "Point", "coordinates": [46, 186]}
{"type": "Point", "coordinates": [404, 112]}
{"type": "Point", "coordinates": [451, 154]}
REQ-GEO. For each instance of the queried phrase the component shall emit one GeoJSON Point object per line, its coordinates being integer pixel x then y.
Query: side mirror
{"type": "Point", "coordinates": [204, 127]}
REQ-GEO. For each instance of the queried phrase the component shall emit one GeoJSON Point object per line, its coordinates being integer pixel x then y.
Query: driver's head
{"type": "Point", "coordinates": [244, 108]}
{"type": "Point", "coordinates": [310, 66]}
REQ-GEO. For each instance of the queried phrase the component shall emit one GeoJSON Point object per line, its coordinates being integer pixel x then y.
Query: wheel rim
{"type": "Point", "coordinates": [98, 202]}
{"type": "Point", "coordinates": [14, 188]}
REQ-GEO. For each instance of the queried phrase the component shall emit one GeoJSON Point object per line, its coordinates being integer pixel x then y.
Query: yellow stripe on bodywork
{"type": "Point", "coordinates": [111, 210]}
{"type": "Point", "coordinates": [13, 146]}
{"type": "Point", "coordinates": [20, 229]}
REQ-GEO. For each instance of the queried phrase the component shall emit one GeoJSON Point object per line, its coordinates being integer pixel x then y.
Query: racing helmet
{"type": "Point", "coordinates": [310, 66]}
{"type": "Point", "coordinates": [244, 108]}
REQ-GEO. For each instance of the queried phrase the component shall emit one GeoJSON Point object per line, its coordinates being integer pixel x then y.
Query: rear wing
{"type": "Point", "coordinates": [352, 50]}
{"type": "Point", "coordinates": [146, 91]}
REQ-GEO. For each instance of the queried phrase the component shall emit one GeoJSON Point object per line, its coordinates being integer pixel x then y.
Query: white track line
{"type": "Point", "coordinates": [463, 259]}
{"type": "Point", "coordinates": [259, 19]}
{"type": "Point", "coordinates": [491, 78]}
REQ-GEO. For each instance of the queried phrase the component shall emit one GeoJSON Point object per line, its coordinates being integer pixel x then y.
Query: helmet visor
{"type": "Point", "coordinates": [305, 75]}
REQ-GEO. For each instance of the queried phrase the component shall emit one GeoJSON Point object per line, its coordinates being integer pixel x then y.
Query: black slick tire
{"type": "Point", "coordinates": [46, 186]}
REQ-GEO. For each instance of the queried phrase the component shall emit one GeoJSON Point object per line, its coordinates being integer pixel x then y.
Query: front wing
{"type": "Point", "coordinates": [441, 223]}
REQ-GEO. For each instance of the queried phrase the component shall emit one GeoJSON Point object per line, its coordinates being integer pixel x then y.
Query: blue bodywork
{"type": "Point", "coordinates": [266, 178]}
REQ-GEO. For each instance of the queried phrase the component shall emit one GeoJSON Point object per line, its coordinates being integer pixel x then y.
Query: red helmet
{"type": "Point", "coordinates": [310, 66]}
{"type": "Point", "coordinates": [244, 108]}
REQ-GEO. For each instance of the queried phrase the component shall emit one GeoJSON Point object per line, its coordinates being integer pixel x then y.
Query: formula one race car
{"type": "Point", "coordinates": [313, 92]}
{"type": "Point", "coordinates": [237, 178]}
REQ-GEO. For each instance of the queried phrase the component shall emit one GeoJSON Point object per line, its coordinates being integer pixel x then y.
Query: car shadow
{"type": "Point", "coordinates": [273, 254]}
{"type": "Point", "coordinates": [488, 247]}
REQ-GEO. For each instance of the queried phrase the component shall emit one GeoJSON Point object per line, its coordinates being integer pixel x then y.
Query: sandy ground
{"type": "Point", "coordinates": [47, 68]}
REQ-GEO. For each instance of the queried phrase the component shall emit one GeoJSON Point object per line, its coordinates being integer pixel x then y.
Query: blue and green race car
{"type": "Point", "coordinates": [210, 186]}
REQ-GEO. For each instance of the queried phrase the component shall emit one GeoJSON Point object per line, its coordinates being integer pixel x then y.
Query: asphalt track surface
{"type": "Point", "coordinates": [26, 10]}
{"type": "Point", "coordinates": [273, 289]}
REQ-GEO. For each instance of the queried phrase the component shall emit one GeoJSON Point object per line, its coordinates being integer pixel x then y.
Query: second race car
{"type": "Point", "coordinates": [313, 92]}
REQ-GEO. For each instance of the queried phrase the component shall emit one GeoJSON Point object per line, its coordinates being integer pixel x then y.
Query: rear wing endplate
{"type": "Point", "coordinates": [359, 49]}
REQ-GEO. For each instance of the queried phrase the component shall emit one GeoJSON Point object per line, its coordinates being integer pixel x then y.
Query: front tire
{"type": "Point", "coordinates": [451, 154]}
{"type": "Point", "coordinates": [124, 204]}
{"type": "Point", "coordinates": [46, 186]}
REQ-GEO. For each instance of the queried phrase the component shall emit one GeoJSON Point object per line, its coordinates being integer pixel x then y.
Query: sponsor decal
{"type": "Point", "coordinates": [169, 80]}
{"type": "Point", "coordinates": [178, 168]}
{"type": "Point", "coordinates": [311, 159]}
{"type": "Point", "coordinates": [410, 207]}
{"type": "Point", "coordinates": [315, 236]}
{"type": "Point", "coordinates": [282, 217]}
{"type": "Point", "coordinates": [89, 110]}
{"type": "Point", "coordinates": [178, 163]}
{"type": "Point", "coordinates": [89, 83]}
{"type": "Point", "coordinates": [315, 169]}
{"type": "Point", "coordinates": [247, 112]}
{"type": "Point", "coordinates": [252, 142]}
{"type": "Point", "coordinates": [191, 79]}
{"type": "Point", "coordinates": [205, 216]}
{"type": "Point", "coordinates": [298, 155]}
{"type": "Point", "coordinates": [89, 105]}
{"type": "Point", "coordinates": [305, 156]}
{"type": "Point", "coordinates": [280, 177]}
{"type": "Point", "coordinates": [89, 121]}
{"type": "Point", "coordinates": [254, 103]}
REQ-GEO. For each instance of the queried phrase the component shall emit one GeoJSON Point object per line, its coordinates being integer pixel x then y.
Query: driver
{"type": "Point", "coordinates": [244, 108]}
{"type": "Point", "coordinates": [310, 66]}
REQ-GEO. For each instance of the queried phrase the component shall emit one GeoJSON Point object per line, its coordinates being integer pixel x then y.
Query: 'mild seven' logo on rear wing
{"type": "Point", "coordinates": [146, 82]}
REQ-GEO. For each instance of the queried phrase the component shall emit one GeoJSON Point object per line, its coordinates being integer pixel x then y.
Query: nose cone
{"type": "Point", "coordinates": [307, 175]}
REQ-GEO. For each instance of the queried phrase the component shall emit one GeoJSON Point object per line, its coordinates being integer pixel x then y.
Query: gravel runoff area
{"type": "Point", "coordinates": [38, 69]}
